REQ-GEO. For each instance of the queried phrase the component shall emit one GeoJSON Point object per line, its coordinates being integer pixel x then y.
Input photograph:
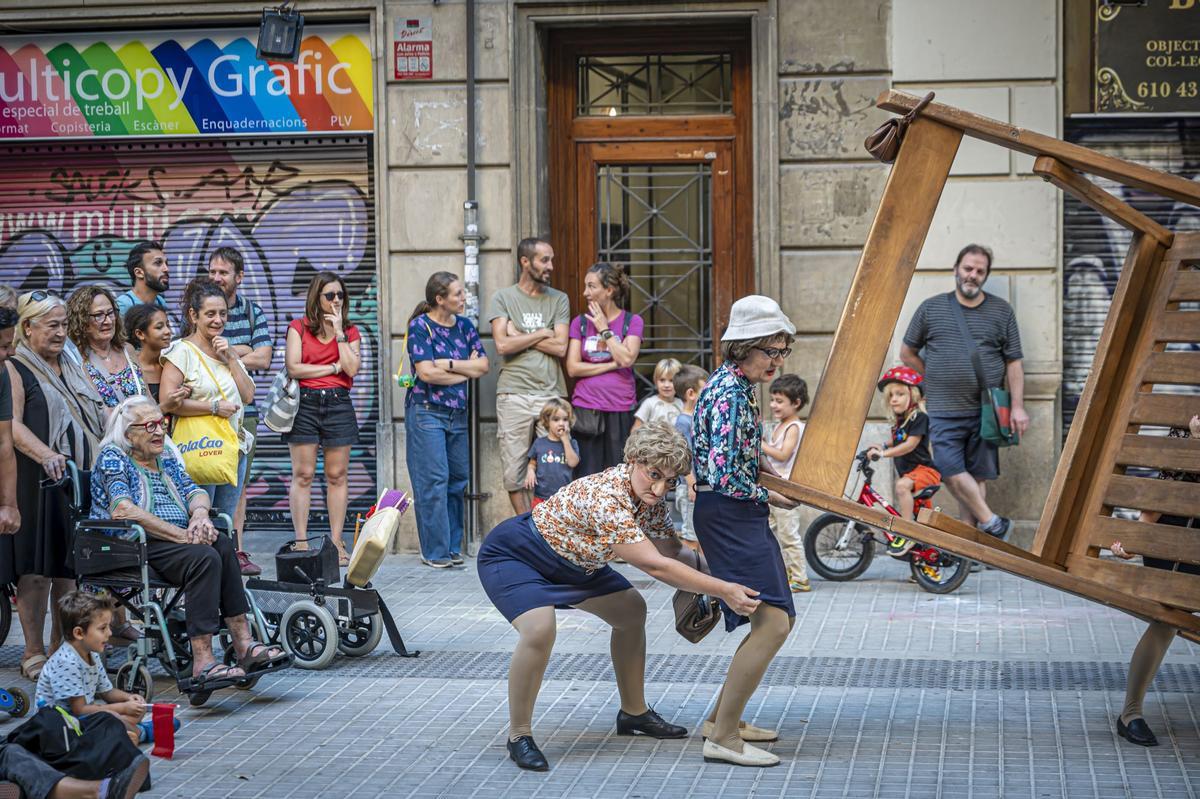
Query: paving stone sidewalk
{"type": "Point", "coordinates": [1003, 689]}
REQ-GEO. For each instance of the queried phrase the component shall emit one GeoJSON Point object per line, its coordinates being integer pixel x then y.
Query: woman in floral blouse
{"type": "Point", "coordinates": [96, 330]}
{"type": "Point", "coordinates": [557, 557]}
{"type": "Point", "coordinates": [732, 518]}
{"type": "Point", "coordinates": [1152, 648]}
{"type": "Point", "coordinates": [445, 352]}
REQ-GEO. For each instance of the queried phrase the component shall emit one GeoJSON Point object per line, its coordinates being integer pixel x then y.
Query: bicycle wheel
{"type": "Point", "coordinates": [945, 576]}
{"type": "Point", "coordinates": [835, 552]}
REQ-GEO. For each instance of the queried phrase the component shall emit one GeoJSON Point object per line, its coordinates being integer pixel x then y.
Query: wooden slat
{"type": "Point", "coordinates": [1091, 195]}
{"type": "Point", "coordinates": [1187, 286]}
{"type": "Point", "coordinates": [659, 127]}
{"type": "Point", "coordinates": [1164, 541]}
{"type": "Point", "coordinates": [1161, 452]}
{"type": "Point", "coordinates": [1179, 326]}
{"type": "Point", "coordinates": [1174, 589]}
{"type": "Point", "coordinates": [1171, 410]}
{"type": "Point", "coordinates": [1147, 493]}
{"type": "Point", "coordinates": [957, 527]}
{"type": "Point", "coordinates": [1025, 565]}
{"type": "Point", "coordinates": [873, 304]}
{"type": "Point", "coordinates": [1100, 407]}
{"type": "Point", "coordinates": [1035, 144]}
{"type": "Point", "coordinates": [1173, 368]}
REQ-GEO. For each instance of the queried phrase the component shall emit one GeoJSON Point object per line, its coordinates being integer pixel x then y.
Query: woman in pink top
{"type": "Point", "coordinates": [604, 344]}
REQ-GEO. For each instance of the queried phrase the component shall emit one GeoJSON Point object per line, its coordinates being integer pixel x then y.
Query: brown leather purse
{"type": "Point", "coordinates": [695, 615]}
{"type": "Point", "coordinates": [884, 143]}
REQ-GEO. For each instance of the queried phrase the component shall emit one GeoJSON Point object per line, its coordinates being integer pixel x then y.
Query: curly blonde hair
{"type": "Point", "coordinates": [659, 446]}
{"type": "Point", "coordinates": [79, 309]}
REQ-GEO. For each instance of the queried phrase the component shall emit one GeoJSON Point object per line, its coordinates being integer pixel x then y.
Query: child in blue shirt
{"type": "Point", "coordinates": [552, 457]}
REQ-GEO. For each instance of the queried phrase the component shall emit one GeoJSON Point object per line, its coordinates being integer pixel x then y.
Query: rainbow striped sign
{"type": "Point", "coordinates": [202, 83]}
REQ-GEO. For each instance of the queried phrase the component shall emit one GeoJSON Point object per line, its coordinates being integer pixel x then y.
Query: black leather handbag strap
{"type": "Point", "coordinates": [957, 312]}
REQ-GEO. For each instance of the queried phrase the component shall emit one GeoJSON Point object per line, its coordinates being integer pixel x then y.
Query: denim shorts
{"type": "Point", "coordinates": [325, 417]}
{"type": "Point", "coordinates": [958, 447]}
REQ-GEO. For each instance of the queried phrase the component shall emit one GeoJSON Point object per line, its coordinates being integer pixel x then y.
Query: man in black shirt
{"type": "Point", "coordinates": [934, 346]}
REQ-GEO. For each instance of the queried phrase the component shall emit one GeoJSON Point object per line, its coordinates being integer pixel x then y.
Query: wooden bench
{"type": "Point", "coordinates": [1161, 270]}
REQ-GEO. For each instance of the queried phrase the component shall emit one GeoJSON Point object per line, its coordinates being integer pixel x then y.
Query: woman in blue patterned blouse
{"type": "Point", "coordinates": [445, 352]}
{"type": "Point", "coordinates": [732, 519]}
{"type": "Point", "coordinates": [139, 478]}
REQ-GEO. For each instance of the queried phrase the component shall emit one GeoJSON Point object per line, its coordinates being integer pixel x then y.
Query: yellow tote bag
{"type": "Point", "coordinates": [209, 444]}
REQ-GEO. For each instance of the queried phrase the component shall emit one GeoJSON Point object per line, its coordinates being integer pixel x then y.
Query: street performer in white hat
{"type": "Point", "coordinates": [732, 517]}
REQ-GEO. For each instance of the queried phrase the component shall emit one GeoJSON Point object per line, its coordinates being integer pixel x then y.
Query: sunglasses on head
{"type": "Point", "coordinates": [40, 295]}
{"type": "Point", "coordinates": [334, 295]}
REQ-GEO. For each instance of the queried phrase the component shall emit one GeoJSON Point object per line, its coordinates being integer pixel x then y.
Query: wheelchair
{"type": "Point", "coordinates": [112, 554]}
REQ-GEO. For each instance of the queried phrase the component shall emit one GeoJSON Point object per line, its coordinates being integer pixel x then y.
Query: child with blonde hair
{"type": "Point", "coordinates": [553, 456]}
{"type": "Point", "coordinates": [664, 406]}
{"type": "Point", "coordinates": [901, 387]}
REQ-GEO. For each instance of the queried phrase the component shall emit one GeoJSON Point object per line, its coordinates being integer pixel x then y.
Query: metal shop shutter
{"type": "Point", "coordinates": [69, 214]}
{"type": "Point", "coordinates": [1094, 247]}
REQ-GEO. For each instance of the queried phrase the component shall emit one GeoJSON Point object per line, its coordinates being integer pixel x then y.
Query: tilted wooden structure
{"type": "Point", "coordinates": [1161, 270]}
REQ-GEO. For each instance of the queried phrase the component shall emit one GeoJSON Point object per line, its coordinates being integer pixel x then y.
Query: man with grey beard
{"type": "Point", "coordinates": [934, 346]}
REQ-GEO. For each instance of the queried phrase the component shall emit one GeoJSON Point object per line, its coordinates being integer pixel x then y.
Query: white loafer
{"type": "Point", "coordinates": [749, 756]}
{"type": "Point", "coordinates": [747, 732]}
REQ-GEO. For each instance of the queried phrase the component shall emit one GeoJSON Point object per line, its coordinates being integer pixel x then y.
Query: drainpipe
{"type": "Point", "coordinates": [472, 239]}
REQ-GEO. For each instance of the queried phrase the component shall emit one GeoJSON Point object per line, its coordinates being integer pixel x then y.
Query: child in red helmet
{"type": "Point", "coordinates": [910, 444]}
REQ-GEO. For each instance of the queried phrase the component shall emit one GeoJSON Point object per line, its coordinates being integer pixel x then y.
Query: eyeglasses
{"type": "Point", "coordinates": [334, 295]}
{"type": "Point", "coordinates": [657, 477]}
{"type": "Point", "coordinates": [153, 426]}
{"type": "Point", "coordinates": [100, 316]}
{"type": "Point", "coordinates": [775, 352]}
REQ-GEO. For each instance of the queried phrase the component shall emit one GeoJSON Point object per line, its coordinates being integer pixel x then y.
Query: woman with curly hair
{"type": "Point", "coordinates": [94, 326]}
{"type": "Point", "coordinates": [557, 556]}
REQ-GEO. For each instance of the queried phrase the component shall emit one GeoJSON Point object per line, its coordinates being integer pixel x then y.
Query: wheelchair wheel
{"type": "Point", "coordinates": [309, 632]}
{"type": "Point", "coordinates": [135, 681]}
{"type": "Point", "coordinates": [182, 667]}
{"type": "Point", "coordinates": [361, 636]}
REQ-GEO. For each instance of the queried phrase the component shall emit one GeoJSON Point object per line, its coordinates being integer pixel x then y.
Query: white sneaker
{"type": "Point", "coordinates": [747, 732]}
{"type": "Point", "coordinates": [749, 756]}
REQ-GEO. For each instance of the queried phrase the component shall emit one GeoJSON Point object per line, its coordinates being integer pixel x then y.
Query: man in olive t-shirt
{"type": "Point", "coordinates": [529, 326]}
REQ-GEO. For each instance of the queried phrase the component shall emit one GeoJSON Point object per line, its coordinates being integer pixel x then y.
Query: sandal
{"type": "Point", "coordinates": [31, 667]}
{"type": "Point", "coordinates": [343, 555]}
{"type": "Point", "coordinates": [259, 657]}
{"type": "Point", "coordinates": [226, 675]}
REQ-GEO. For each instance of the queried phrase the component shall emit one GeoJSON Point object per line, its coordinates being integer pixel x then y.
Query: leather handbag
{"type": "Point", "coordinates": [995, 404]}
{"type": "Point", "coordinates": [695, 614]}
{"type": "Point", "coordinates": [884, 143]}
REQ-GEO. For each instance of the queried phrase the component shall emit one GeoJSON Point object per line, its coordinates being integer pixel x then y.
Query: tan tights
{"type": "Point", "coordinates": [769, 628]}
{"type": "Point", "coordinates": [1147, 657]}
{"type": "Point", "coordinates": [624, 611]}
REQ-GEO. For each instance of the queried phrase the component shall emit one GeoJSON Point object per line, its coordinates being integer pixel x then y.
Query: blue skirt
{"type": "Point", "coordinates": [520, 572]}
{"type": "Point", "coordinates": [739, 546]}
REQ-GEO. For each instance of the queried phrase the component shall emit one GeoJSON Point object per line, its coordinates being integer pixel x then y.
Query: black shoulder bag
{"type": "Point", "coordinates": [590, 423]}
{"type": "Point", "coordinates": [995, 404]}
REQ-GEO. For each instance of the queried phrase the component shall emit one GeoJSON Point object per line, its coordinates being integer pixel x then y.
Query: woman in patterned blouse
{"type": "Point", "coordinates": [557, 557]}
{"type": "Point", "coordinates": [96, 330]}
{"type": "Point", "coordinates": [1152, 648]}
{"type": "Point", "coordinates": [732, 518]}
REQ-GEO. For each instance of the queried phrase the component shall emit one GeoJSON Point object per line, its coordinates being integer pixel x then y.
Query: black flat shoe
{"type": "Point", "coordinates": [525, 753]}
{"type": "Point", "coordinates": [1137, 732]}
{"type": "Point", "coordinates": [649, 723]}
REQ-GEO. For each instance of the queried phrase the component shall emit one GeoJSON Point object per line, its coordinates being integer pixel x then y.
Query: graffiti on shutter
{"type": "Point", "coordinates": [1094, 246]}
{"type": "Point", "coordinates": [70, 213]}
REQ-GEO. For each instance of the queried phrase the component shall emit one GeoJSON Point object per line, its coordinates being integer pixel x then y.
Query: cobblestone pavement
{"type": "Point", "coordinates": [1003, 689]}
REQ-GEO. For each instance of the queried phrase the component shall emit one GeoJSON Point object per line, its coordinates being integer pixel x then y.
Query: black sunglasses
{"type": "Point", "coordinates": [334, 295]}
{"type": "Point", "coordinates": [40, 295]}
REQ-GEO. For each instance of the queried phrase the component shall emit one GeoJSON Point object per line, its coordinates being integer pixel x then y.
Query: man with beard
{"type": "Point", "coordinates": [934, 346]}
{"type": "Point", "coordinates": [147, 265]}
{"type": "Point", "coordinates": [529, 326]}
{"type": "Point", "coordinates": [249, 334]}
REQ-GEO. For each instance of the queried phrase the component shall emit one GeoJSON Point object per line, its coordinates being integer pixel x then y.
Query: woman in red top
{"type": "Point", "coordinates": [323, 354]}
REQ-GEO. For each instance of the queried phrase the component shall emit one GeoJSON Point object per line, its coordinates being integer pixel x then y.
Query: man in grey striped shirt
{"type": "Point", "coordinates": [934, 346]}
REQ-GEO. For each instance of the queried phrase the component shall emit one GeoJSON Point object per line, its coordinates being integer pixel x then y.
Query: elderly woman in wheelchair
{"type": "Point", "coordinates": [139, 478]}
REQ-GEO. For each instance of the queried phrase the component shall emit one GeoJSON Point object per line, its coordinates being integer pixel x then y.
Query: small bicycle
{"type": "Point", "coordinates": [840, 549]}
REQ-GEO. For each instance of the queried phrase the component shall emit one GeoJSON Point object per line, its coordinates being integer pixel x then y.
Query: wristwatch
{"type": "Point", "coordinates": [342, 338]}
{"type": "Point", "coordinates": [450, 365]}
{"type": "Point", "coordinates": [607, 334]}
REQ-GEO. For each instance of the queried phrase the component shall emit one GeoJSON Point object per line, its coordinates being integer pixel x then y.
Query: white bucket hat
{"type": "Point", "coordinates": [756, 316]}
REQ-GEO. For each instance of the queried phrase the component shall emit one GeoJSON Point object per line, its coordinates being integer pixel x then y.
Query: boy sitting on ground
{"type": "Point", "coordinates": [74, 677]}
